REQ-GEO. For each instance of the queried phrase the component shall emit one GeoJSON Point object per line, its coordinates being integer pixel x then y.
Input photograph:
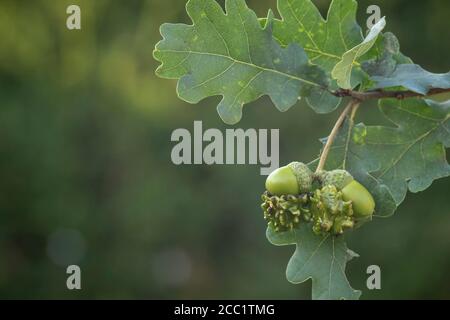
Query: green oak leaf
{"type": "Point", "coordinates": [409, 155]}
{"type": "Point", "coordinates": [384, 56]}
{"type": "Point", "coordinates": [413, 77]}
{"type": "Point", "coordinates": [233, 56]}
{"type": "Point", "coordinates": [325, 41]}
{"type": "Point", "coordinates": [322, 259]}
{"type": "Point", "coordinates": [342, 71]}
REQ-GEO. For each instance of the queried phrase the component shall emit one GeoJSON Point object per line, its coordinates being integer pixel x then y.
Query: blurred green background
{"type": "Point", "coordinates": [86, 176]}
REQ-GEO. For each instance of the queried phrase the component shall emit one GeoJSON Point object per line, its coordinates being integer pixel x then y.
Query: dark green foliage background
{"type": "Point", "coordinates": [85, 131]}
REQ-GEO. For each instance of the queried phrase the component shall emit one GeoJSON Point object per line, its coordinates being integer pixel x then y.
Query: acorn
{"type": "Point", "coordinates": [362, 201]}
{"type": "Point", "coordinates": [295, 178]}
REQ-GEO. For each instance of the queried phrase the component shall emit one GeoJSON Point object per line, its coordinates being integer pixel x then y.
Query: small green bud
{"type": "Point", "coordinates": [362, 201]}
{"type": "Point", "coordinates": [294, 178]}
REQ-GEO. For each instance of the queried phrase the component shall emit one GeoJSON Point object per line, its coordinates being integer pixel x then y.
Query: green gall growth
{"type": "Point", "coordinates": [330, 212]}
{"type": "Point", "coordinates": [286, 212]}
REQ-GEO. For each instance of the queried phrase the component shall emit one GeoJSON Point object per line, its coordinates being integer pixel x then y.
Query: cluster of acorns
{"type": "Point", "coordinates": [331, 201]}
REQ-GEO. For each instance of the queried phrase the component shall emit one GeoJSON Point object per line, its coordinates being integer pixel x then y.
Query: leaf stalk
{"type": "Point", "coordinates": [351, 107]}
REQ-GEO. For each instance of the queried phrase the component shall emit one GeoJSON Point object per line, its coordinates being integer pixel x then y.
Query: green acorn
{"type": "Point", "coordinates": [295, 178]}
{"type": "Point", "coordinates": [362, 201]}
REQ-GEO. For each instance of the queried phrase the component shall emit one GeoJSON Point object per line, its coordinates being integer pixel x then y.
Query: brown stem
{"type": "Point", "coordinates": [352, 106]}
{"type": "Point", "coordinates": [380, 94]}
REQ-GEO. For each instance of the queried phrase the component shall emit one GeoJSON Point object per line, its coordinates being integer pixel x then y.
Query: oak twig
{"type": "Point", "coordinates": [380, 94]}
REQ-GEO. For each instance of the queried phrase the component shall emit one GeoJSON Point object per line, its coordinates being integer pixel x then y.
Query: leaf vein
{"type": "Point", "coordinates": [217, 31]}
{"type": "Point", "coordinates": [246, 37]}
{"type": "Point", "coordinates": [245, 88]}
{"type": "Point", "coordinates": [301, 23]}
{"type": "Point", "coordinates": [311, 256]}
{"type": "Point", "coordinates": [213, 77]}
{"type": "Point", "coordinates": [247, 64]}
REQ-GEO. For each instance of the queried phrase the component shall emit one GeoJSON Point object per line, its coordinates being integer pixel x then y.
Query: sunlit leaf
{"type": "Point", "coordinates": [325, 41]}
{"type": "Point", "coordinates": [233, 56]}
{"type": "Point", "coordinates": [342, 71]}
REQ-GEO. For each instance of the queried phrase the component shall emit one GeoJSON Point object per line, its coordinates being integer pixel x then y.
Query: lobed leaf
{"type": "Point", "coordinates": [232, 55]}
{"type": "Point", "coordinates": [412, 154]}
{"type": "Point", "coordinates": [391, 160]}
{"type": "Point", "coordinates": [325, 41]}
{"type": "Point", "coordinates": [342, 71]}
{"type": "Point", "coordinates": [322, 259]}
